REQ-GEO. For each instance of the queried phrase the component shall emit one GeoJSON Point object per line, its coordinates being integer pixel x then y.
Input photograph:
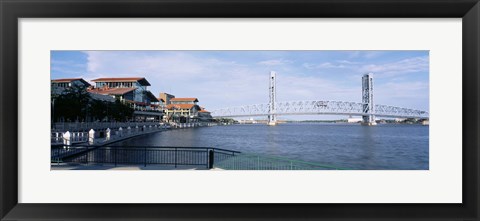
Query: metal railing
{"type": "Point", "coordinates": [195, 124]}
{"type": "Point", "coordinates": [59, 152]}
{"type": "Point", "coordinates": [176, 156]}
{"type": "Point", "coordinates": [140, 155]}
{"type": "Point", "coordinates": [245, 161]}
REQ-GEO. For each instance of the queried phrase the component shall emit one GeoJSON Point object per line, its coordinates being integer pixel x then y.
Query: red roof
{"type": "Point", "coordinates": [184, 99]}
{"type": "Point", "coordinates": [204, 111]}
{"type": "Point", "coordinates": [180, 106]}
{"type": "Point", "coordinates": [141, 80]}
{"type": "Point", "coordinates": [112, 91]}
{"type": "Point", "coordinates": [68, 80]}
{"type": "Point", "coordinates": [63, 80]}
{"type": "Point", "coordinates": [116, 79]}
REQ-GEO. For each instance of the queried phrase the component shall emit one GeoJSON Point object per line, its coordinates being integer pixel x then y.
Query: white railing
{"type": "Point", "coordinates": [65, 126]}
{"type": "Point", "coordinates": [75, 137]}
{"type": "Point", "coordinates": [106, 135]}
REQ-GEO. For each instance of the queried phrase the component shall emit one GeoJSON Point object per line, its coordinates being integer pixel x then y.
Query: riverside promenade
{"type": "Point", "coordinates": [63, 142]}
{"type": "Point", "coordinates": [95, 150]}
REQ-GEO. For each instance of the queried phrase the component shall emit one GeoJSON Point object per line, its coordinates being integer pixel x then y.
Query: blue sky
{"type": "Point", "coordinates": [232, 78]}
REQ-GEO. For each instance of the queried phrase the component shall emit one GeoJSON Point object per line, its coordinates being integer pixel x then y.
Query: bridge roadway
{"type": "Point", "coordinates": [319, 107]}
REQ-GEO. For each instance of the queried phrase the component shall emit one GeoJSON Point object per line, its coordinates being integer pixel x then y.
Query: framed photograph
{"type": "Point", "coordinates": [108, 123]}
{"type": "Point", "coordinates": [314, 110]}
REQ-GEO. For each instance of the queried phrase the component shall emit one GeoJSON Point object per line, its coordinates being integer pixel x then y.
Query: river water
{"type": "Point", "coordinates": [382, 147]}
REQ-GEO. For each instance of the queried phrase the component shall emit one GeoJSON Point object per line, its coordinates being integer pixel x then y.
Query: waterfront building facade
{"type": "Point", "coordinates": [184, 100]}
{"type": "Point", "coordinates": [182, 110]}
{"type": "Point", "coordinates": [204, 115]}
{"type": "Point", "coordinates": [132, 91]}
{"type": "Point", "coordinates": [58, 86]}
{"type": "Point", "coordinates": [166, 97]}
{"type": "Point", "coordinates": [125, 89]}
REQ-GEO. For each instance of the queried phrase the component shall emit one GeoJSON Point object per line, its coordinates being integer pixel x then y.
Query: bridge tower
{"type": "Point", "coordinates": [272, 93]}
{"type": "Point", "coordinates": [367, 100]}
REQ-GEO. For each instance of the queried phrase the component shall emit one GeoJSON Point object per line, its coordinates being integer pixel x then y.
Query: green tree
{"type": "Point", "coordinates": [120, 111]}
{"type": "Point", "coordinates": [76, 104]}
{"type": "Point", "coordinates": [72, 104]}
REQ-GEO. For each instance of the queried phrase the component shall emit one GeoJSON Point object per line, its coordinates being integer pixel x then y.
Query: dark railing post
{"type": "Point", "coordinates": [175, 157]}
{"type": "Point", "coordinates": [86, 156]}
{"type": "Point", "coordinates": [207, 159]}
{"type": "Point", "coordinates": [57, 155]}
{"type": "Point", "coordinates": [211, 157]}
{"type": "Point", "coordinates": [145, 158]}
{"type": "Point", "coordinates": [115, 155]}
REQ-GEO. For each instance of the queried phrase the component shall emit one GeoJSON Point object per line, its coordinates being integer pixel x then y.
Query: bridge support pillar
{"type": "Point", "coordinates": [271, 122]}
{"type": "Point", "coordinates": [373, 123]}
{"type": "Point", "coordinates": [272, 119]}
{"type": "Point", "coordinates": [367, 100]}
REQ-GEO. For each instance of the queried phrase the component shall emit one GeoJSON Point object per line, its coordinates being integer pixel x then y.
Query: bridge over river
{"type": "Point", "coordinates": [367, 109]}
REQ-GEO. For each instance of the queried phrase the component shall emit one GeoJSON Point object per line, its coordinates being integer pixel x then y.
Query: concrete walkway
{"type": "Point", "coordinates": [63, 166]}
{"type": "Point", "coordinates": [114, 139]}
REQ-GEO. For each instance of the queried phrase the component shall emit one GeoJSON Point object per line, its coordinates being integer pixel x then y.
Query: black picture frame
{"type": "Point", "coordinates": [12, 10]}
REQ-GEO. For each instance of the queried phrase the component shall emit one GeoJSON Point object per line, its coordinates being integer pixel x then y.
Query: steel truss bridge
{"type": "Point", "coordinates": [318, 107]}
{"type": "Point", "coordinates": [367, 109]}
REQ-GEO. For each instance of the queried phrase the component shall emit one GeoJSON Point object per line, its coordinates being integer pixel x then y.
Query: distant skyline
{"type": "Point", "coordinates": [233, 78]}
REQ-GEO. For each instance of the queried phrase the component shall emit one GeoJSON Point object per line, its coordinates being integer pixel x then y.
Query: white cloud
{"type": "Point", "coordinates": [215, 82]}
{"type": "Point", "coordinates": [364, 54]}
{"type": "Point", "coordinates": [348, 62]}
{"type": "Point", "coordinates": [372, 54]}
{"type": "Point", "coordinates": [323, 65]}
{"type": "Point", "coordinates": [406, 66]}
{"type": "Point", "coordinates": [275, 62]}
{"type": "Point", "coordinates": [220, 82]}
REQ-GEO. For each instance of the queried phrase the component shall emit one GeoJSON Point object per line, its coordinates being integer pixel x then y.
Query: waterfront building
{"type": "Point", "coordinates": [125, 89]}
{"type": "Point", "coordinates": [183, 110]}
{"type": "Point", "coordinates": [60, 85]}
{"type": "Point", "coordinates": [160, 105]}
{"type": "Point", "coordinates": [204, 115]}
{"type": "Point", "coordinates": [166, 97]}
{"type": "Point", "coordinates": [184, 100]}
{"type": "Point", "coordinates": [134, 92]}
